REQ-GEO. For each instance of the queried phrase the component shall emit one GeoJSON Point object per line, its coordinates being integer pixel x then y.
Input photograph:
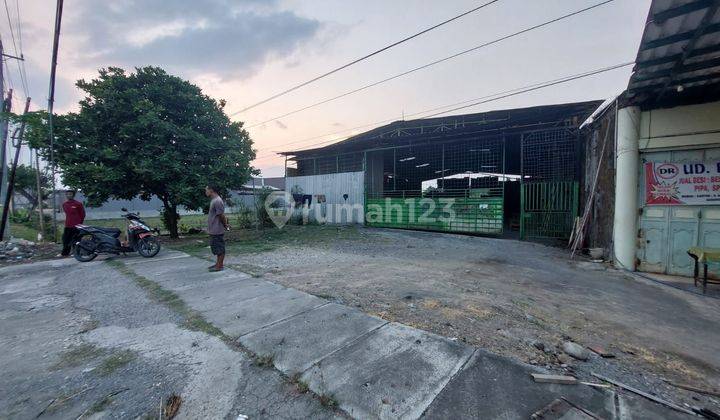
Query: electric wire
{"type": "Point", "coordinates": [365, 57]}
{"type": "Point", "coordinates": [471, 102]}
{"type": "Point", "coordinates": [432, 63]}
{"type": "Point", "coordinates": [20, 44]}
{"type": "Point", "coordinates": [17, 52]}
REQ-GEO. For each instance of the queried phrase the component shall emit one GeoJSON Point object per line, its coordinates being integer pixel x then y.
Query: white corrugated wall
{"type": "Point", "coordinates": [333, 186]}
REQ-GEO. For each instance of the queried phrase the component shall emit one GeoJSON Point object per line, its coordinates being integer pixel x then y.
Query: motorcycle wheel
{"type": "Point", "coordinates": [83, 255]}
{"type": "Point", "coordinates": [148, 246]}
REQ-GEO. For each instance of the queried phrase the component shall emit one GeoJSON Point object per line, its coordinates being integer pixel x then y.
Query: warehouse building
{"type": "Point", "coordinates": [510, 173]}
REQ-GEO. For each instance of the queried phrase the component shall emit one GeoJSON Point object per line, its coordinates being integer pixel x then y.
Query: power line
{"type": "Point", "coordinates": [606, 69]}
{"type": "Point", "coordinates": [365, 57]}
{"type": "Point", "coordinates": [20, 43]}
{"type": "Point", "coordinates": [17, 52]}
{"type": "Point", "coordinates": [506, 92]}
{"type": "Point", "coordinates": [450, 57]}
{"type": "Point", "coordinates": [475, 101]}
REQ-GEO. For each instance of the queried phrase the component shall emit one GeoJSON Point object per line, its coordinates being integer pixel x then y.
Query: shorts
{"type": "Point", "coordinates": [217, 244]}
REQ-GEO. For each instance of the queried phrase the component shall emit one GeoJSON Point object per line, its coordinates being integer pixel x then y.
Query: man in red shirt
{"type": "Point", "coordinates": [74, 215]}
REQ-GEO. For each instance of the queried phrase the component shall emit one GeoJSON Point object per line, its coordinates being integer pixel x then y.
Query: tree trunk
{"type": "Point", "coordinates": [171, 217]}
{"type": "Point", "coordinates": [31, 199]}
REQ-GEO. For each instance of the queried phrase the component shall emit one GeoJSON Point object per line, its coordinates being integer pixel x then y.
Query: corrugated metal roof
{"type": "Point", "coordinates": [679, 55]}
{"type": "Point", "coordinates": [490, 122]}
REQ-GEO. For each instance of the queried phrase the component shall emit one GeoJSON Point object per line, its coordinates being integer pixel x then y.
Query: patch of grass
{"type": "Point", "coordinates": [266, 360]}
{"type": "Point", "coordinates": [251, 241]}
{"type": "Point", "coordinates": [103, 403]}
{"type": "Point", "coordinates": [115, 362]}
{"type": "Point", "coordinates": [100, 405]}
{"type": "Point", "coordinates": [328, 401]}
{"type": "Point", "coordinates": [252, 270]}
{"type": "Point", "coordinates": [301, 386]}
{"type": "Point", "coordinates": [77, 355]}
{"type": "Point", "coordinates": [193, 320]}
{"type": "Point", "coordinates": [23, 231]}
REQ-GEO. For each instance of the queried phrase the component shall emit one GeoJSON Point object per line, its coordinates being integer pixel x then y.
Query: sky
{"type": "Point", "coordinates": [244, 51]}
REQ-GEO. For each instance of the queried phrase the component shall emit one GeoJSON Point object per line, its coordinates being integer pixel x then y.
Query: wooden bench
{"type": "Point", "coordinates": [704, 256]}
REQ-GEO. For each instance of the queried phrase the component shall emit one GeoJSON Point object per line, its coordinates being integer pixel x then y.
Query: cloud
{"type": "Point", "coordinates": [231, 39]}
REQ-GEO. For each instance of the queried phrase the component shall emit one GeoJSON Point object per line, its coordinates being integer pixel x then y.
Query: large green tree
{"type": "Point", "coordinates": [150, 133]}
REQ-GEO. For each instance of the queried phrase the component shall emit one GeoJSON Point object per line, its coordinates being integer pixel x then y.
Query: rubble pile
{"type": "Point", "coordinates": [17, 250]}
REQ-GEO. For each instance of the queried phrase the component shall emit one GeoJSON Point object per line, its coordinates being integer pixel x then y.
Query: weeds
{"type": "Point", "coordinates": [115, 362]}
{"type": "Point", "coordinates": [193, 320]}
{"type": "Point", "coordinates": [265, 361]}
{"type": "Point", "coordinates": [252, 241]}
{"type": "Point", "coordinates": [100, 405]}
{"type": "Point", "coordinates": [301, 386]}
{"type": "Point", "coordinates": [328, 401]}
{"type": "Point", "coordinates": [77, 355]}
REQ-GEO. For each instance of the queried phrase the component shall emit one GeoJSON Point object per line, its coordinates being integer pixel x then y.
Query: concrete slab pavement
{"type": "Point", "coordinates": [164, 254]}
{"type": "Point", "coordinates": [495, 387]}
{"type": "Point", "coordinates": [374, 369]}
{"type": "Point", "coordinates": [226, 292]}
{"type": "Point", "coordinates": [322, 331]}
{"type": "Point", "coordinates": [395, 372]}
{"type": "Point", "coordinates": [262, 311]}
{"type": "Point", "coordinates": [85, 341]}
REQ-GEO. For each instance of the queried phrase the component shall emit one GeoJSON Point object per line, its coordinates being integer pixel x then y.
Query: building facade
{"type": "Point", "coordinates": [659, 180]}
{"type": "Point", "coordinates": [510, 173]}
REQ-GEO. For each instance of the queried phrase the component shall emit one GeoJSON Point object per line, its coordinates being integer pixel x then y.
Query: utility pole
{"type": "Point", "coordinates": [41, 215]}
{"type": "Point", "coordinates": [11, 179]}
{"type": "Point", "coordinates": [7, 106]}
{"type": "Point", "coordinates": [3, 134]}
{"type": "Point", "coordinates": [51, 100]}
{"type": "Point", "coordinates": [2, 108]}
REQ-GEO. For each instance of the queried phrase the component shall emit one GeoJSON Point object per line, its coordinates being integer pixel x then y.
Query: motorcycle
{"type": "Point", "coordinates": [93, 240]}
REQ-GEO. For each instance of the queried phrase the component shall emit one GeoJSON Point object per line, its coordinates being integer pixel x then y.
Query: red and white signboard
{"type": "Point", "coordinates": [682, 183]}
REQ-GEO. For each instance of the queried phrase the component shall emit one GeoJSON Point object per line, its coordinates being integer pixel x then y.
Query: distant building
{"type": "Point", "coordinates": [112, 208]}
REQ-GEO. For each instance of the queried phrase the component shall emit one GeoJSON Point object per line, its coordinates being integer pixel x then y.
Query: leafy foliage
{"type": "Point", "coordinates": [149, 133]}
{"type": "Point", "coordinates": [26, 184]}
{"type": "Point", "coordinates": [264, 218]}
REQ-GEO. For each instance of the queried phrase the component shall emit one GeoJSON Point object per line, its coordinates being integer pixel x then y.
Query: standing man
{"type": "Point", "coordinates": [74, 215]}
{"type": "Point", "coordinates": [217, 225]}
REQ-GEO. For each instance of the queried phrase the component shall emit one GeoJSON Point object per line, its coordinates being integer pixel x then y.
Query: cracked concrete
{"type": "Point", "coordinates": [371, 368]}
{"type": "Point", "coordinates": [61, 321]}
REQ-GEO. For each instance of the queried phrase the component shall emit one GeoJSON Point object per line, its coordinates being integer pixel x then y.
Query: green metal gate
{"type": "Point", "coordinates": [548, 209]}
{"type": "Point", "coordinates": [467, 211]}
{"type": "Point", "coordinates": [453, 186]}
{"type": "Point", "coordinates": [549, 189]}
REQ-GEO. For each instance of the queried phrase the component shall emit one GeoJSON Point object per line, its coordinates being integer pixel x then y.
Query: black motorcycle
{"type": "Point", "coordinates": [93, 240]}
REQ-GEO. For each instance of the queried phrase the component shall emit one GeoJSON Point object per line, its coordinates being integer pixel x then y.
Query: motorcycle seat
{"type": "Point", "coordinates": [114, 232]}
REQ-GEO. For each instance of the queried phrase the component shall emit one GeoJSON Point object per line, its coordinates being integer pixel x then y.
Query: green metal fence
{"type": "Point", "coordinates": [548, 209]}
{"type": "Point", "coordinates": [468, 211]}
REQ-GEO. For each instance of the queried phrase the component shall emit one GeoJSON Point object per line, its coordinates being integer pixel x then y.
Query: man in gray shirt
{"type": "Point", "coordinates": [217, 225]}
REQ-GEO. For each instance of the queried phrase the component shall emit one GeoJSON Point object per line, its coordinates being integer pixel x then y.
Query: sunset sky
{"type": "Point", "coordinates": [245, 51]}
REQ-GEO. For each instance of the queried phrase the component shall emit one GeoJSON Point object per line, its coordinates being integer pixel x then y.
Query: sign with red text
{"type": "Point", "coordinates": [682, 183]}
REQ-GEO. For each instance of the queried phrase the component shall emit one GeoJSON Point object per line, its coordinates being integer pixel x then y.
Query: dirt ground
{"type": "Point", "coordinates": [517, 299]}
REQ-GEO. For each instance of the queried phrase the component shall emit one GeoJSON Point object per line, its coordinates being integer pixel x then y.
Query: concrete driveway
{"type": "Point", "coordinates": [117, 338]}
